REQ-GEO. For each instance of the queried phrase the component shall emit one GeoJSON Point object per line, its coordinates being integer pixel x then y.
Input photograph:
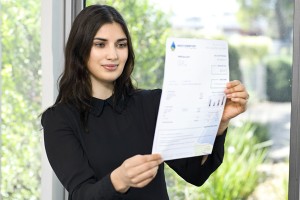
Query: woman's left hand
{"type": "Point", "coordinates": [236, 103]}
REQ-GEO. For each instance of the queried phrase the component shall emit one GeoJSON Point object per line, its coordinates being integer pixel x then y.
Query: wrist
{"type": "Point", "coordinates": [204, 158]}
{"type": "Point", "coordinates": [117, 182]}
{"type": "Point", "coordinates": [222, 127]}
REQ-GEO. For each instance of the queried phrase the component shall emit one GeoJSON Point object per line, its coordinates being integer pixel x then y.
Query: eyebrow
{"type": "Point", "coordinates": [103, 39]}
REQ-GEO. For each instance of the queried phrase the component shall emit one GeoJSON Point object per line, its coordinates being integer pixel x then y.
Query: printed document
{"type": "Point", "coordinates": [192, 102]}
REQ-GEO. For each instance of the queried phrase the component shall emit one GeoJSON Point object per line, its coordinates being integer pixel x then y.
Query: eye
{"type": "Point", "coordinates": [122, 45]}
{"type": "Point", "coordinates": [101, 45]}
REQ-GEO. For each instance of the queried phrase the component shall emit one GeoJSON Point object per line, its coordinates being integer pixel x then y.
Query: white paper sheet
{"type": "Point", "coordinates": [193, 99]}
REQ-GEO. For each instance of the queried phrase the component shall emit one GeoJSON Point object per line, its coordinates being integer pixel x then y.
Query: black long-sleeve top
{"type": "Point", "coordinates": [83, 161]}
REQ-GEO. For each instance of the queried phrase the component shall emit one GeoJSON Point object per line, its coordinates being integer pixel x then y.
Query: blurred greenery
{"type": "Point", "coordinates": [234, 64]}
{"type": "Point", "coordinates": [279, 83]}
{"type": "Point", "coordinates": [277, 15]}
{"type": "Point", "coordinates": [237, 177]}
{"type": "Point", "coordinates": [252, 48]}
{"type": "Point", "coordinates": [285, 186]}
{"type": "Point", "coordinates": [21, 87]}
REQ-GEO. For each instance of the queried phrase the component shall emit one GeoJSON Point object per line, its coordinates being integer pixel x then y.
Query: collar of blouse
{"type": "Point", "coordinates": [99, 104]}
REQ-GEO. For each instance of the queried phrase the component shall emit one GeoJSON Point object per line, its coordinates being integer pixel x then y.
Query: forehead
{"type": "Point", "coordinates": [111, 30]}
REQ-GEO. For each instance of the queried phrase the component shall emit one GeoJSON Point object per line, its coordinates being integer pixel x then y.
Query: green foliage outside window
{"type": "Point", "coordinates": [21, 105]}
{"type": "Point", "coordinates": [279, 73]}
{"type": "Point", "coordinates": [234, 65]}
{"type": "Point", "coordinates": [278, 14]}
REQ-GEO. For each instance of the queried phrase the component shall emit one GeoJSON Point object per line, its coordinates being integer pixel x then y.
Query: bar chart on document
{"type": "Point", "coordinates": [193, 99]}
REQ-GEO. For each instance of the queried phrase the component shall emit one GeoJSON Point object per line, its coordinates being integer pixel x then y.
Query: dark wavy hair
{"type": "Point", "coordinates": [74, 83]}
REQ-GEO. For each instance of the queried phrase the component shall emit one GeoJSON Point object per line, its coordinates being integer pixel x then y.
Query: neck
{"type": "Point", "coordinates": [102, 91]}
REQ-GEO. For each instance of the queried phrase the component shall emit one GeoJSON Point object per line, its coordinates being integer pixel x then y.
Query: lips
{"type": "Point", "coordinates": [110, 67]}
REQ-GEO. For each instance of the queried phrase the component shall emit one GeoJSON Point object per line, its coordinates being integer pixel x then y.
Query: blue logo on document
{"type": "Point", "coordinates": [173, 46]}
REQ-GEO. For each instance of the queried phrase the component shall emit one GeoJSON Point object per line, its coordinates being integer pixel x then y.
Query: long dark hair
{"type": "Point", "coordinates": [74, 83]}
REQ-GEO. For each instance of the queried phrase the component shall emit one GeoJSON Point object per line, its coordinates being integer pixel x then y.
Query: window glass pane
{"type": "Point", "coordinates": [20, 99]}
{"type": "Point", "coordinates": [259, 34]}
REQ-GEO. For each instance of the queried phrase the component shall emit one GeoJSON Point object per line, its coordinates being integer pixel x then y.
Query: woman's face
{"type": "Point", "coordinates": [108, 55]}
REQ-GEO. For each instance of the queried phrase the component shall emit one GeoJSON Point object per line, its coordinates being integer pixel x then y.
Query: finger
{"type": "Point", "coordinates": [242, 102]}
{"type": "Point", "coordinates": [143, 183]}
{"type": "Point", "coordinates": [152, 157]}
{"type": "Point", "coordinates": [237, 88]}
{"type": "Point", "coordinates": [147, 175]}
{"type": "Point", "coordinates": [149, 157]}
{"type": "Point", "coordinates": [243, 95]}
{"type": "Point", "coordinates": [134, 172]}
{"type": "Point", "coordinates": [233, 83]}
{"type": "Point", "coordinates": [141, 159]}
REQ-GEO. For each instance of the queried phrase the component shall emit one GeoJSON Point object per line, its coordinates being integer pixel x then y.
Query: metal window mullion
{"type": "Point", "coordinates": [294, 160]}
{"type": "Point", "coordinates": [72, 8]}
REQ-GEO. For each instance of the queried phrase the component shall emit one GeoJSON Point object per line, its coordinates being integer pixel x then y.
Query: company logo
{"type": "Point", "coordinates": [173, 46]}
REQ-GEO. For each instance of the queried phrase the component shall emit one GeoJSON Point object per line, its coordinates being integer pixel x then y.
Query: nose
{"type": "Point", "coordinates": [112, 53]}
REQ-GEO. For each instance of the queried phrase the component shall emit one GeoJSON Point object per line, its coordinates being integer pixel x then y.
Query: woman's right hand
{"type": "Point", "coordinates": [136, 171]}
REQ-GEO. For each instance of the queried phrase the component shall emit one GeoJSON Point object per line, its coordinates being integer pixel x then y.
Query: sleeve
{"type": "Point", "coordinates": [191, 170]}
{"type": "Point", "coordinates": [69, 162]}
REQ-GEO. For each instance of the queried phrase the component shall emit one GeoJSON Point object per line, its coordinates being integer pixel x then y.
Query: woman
{"type": "Point", "coordinates": [99, 133]}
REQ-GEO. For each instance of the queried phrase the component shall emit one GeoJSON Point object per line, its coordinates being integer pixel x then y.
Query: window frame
{"type": "Point", "coordinates": [294, 160]}
{"type": "Point", "coordinates": [59, 15]}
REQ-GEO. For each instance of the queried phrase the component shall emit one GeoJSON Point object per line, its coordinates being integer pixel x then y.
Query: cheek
{"type": "Point", "coordinates": [92, 59]}
{"type": "Point", "coordinates": [124, 63]}
{"type": "Point", "coordinates": [125, 57]}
